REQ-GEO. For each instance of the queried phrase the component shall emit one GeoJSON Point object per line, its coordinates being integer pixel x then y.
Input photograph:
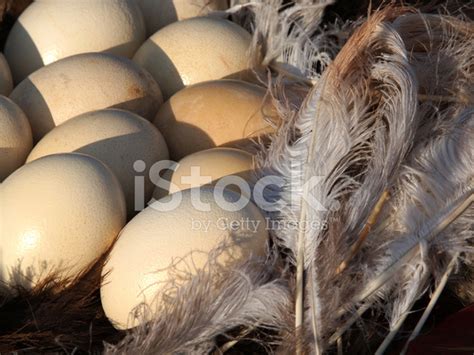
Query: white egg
{"type": "Point", "coordinates": [209, 166]}
{"type": "Point", "coordinates": [194, 50]}
{"type": "Point", "coordinates": [15, 137]}
{"type": "Point", "coordinates": [127, 143]}
{"type": "Point", "coordinates": [58, 215]}
{"type": "Point", "coordinates": [138, 267]}
{"type": "Point", "coordinates": [214, 113]}
{"type": "Point", "coordinates": [6, 81]}
{"type": "Point", "coordinates": [158, 14]}
{"type": "Point", "coordinates": [83, 83]}
{"type": "Point", "coordinates": [49, 30]}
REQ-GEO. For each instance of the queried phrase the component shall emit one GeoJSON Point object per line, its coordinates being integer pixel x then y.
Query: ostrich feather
{"type": "Point", "coordinates": [195, 308]}
{"type": "Point", "coordinates": [357, 134]}
{"type": "Point", "coordinates": [427, 186]}
{"type": "Point", "coordinates": [287, 34]}
{"type": "Point", "coordinates": [289, 39]}
{"type": "Point", "coordinates": [433, 301]}
{"type": "Point", "coordinates": [444, 140]}
{"type": "Point", "coordinates": [351, 134]}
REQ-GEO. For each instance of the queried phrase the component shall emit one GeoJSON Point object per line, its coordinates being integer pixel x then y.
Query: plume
{"type": "Point", "coordinates": [440, 165]}
{"type": "Point", "coordinates": [288, 38]}
{"type": "Point", "coordinates": [56, 315]}
{"type": "Point", "coordinates": [347, 160]}
{"type": "Point", "coordinates": [196, 308]}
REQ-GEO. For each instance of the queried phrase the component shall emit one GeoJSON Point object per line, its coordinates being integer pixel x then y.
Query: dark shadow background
{"type": "Point", "coordinates": [9, 11]}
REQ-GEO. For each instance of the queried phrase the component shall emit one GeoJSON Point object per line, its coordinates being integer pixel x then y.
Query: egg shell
{"type": "Point", "coordinates": [116, 137]}
{"type": "Point", "coordinates": [83, 83]}
{"type": "Point", "coordinates": [213, 113]}
{"type": "Point", "coordinates": [209, 166]}
{"type": "Point", "coordinates": [194, 50]}
{"type": "Point", "coordinates": [153, 240]}
{"type": "Point", "coordinates": [49, 30]}
{"type": "Point", "coordinates": [158, 14]}
{"type": "Point", "coordinates": [15, 137]}
{"type": "Point", "coordinates": [59, 214]}
{"type": "Point", "coordinates": [6, 81]}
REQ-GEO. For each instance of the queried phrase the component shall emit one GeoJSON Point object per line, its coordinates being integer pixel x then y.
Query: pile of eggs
{"type": "Point", "coordinates": [93, 95]}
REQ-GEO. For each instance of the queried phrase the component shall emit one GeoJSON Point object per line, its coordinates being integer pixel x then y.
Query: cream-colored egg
{"type": "Point", "coordinates": [153, 240]}
{"type": "Point", "coordinates": [59, 214]}
{"type": "Point", "coordinates": [214, 113]}
{"type": "Point", "coordinates": [194, 50]}
{"type": "Point", "coordinates": [158, 14]}
{"type": "Point", "coordinates": [15, 137]}
{"type": "Point", "coordinates": [6, 81]}
{"type": "Point", "coordinates": [209, 166]}
{"type": "Point", "coordinates": [83, 83]}
{"type": "Point", "coordinates": [127, 143]}
{"type": "Point", "coordinates": [49, 30]}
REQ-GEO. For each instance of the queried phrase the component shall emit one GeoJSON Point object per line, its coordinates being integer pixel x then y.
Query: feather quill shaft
{"type": "Point", "coordinates": [365, 232]}
{"type": "Point", "coordinates": [430, 230]}
{"type": "Point", "coordinates": [418, 280]}
{"type": "Point", "coordinates": [357, 314]}
{"type": "Point", "coordinates": [432, 303]}
{"type": "Point", "coordinates": [302, 239]}
{"type": "Point", "coordinates": [443, 220]}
